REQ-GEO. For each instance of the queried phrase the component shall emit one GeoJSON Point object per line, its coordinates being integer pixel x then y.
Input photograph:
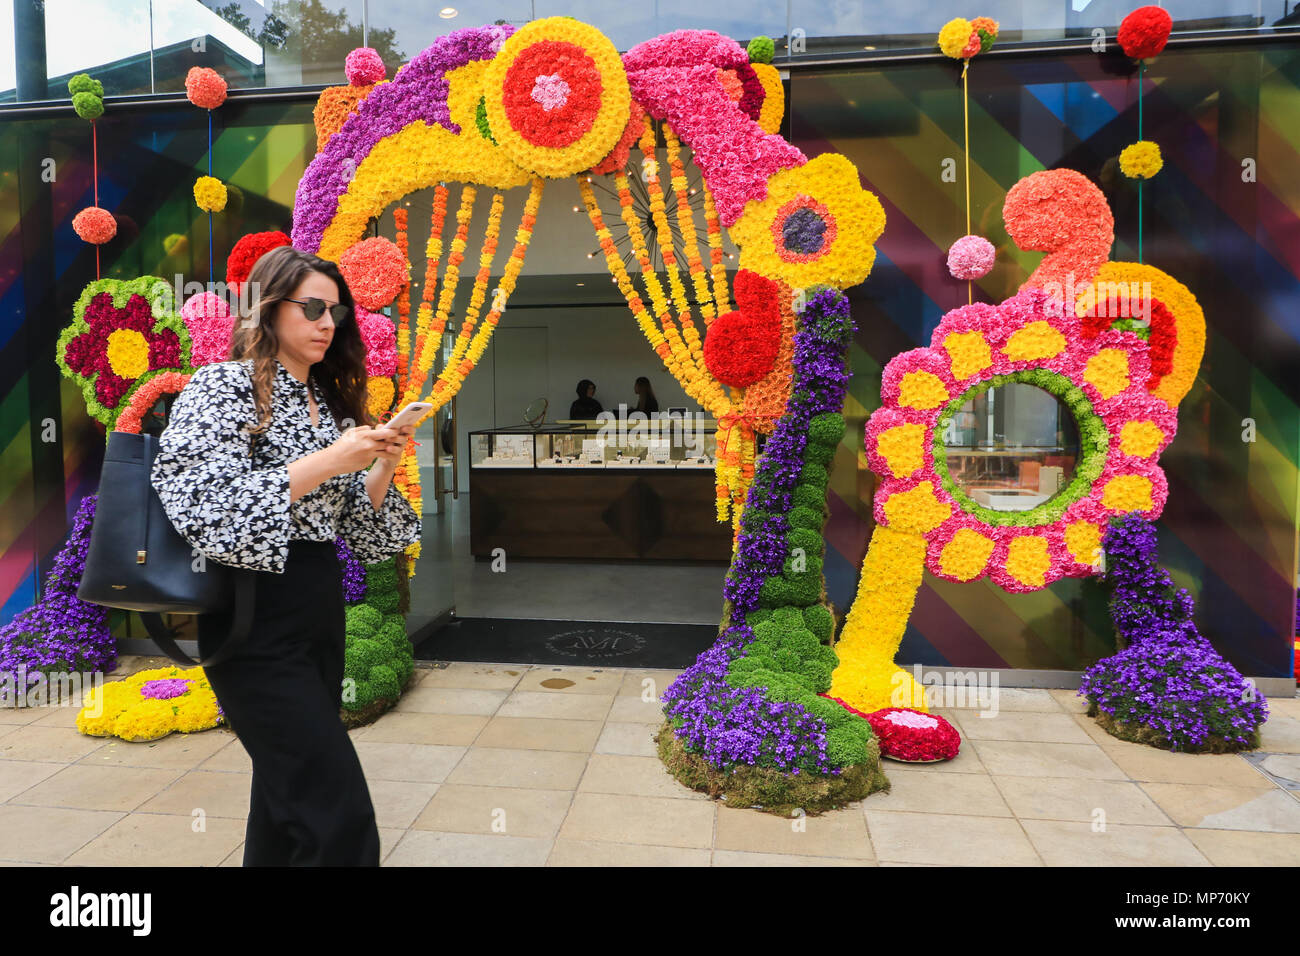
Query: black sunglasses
{"type": "Point", "coordinates": [315, 308]}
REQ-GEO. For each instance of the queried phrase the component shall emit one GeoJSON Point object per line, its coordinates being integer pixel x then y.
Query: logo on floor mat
{"type": "Point", "coordinates": [595, 643]}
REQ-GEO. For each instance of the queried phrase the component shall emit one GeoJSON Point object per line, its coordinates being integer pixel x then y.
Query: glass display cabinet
{"type": "Point", "coordinates": [608, 489]}
{"type": "Point", "coordinates": [657, 443]}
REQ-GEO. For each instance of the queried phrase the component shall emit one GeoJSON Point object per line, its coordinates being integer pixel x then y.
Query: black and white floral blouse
{"type": "Point", "coordinates": [234, 508]}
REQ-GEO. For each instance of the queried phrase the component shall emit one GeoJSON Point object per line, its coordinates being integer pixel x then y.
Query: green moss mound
{"type": "Point", "coordinates": [762, 788]}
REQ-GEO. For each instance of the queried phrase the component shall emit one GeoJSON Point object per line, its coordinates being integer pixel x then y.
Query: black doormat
{"type": "Point", "coordinates": [589, 643]}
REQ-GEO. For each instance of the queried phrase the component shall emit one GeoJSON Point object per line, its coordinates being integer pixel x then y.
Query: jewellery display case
{"type": "Point", "coordinates": [656, 443]}
{"type": "Point", "coordinates": [603, 489]}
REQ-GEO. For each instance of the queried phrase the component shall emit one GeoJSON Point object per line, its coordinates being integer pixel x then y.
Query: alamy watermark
{"type": "Point", "coordinates": [35, 688]}
{"type": "Point", "coordinates": [975, 690]}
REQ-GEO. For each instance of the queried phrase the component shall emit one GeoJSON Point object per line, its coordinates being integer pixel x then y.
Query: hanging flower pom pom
{"type": "Point", "coordinates": [88, 105]}
{"type": "Point", "coordinates": [913, 736]}
{"type": "Point", "coordinates": [761, 49]}
{"type": "Point", "coordinates": [971, 257]}
{"type": "Point", "coordinates": [1141, 160]}
{"type": "Point", "coordinates": [1145, 31]}
{"type": "Point", "coordinates": [987, 30]}
{"type": "Point", "coordinates": [205, 88]}
{"type": "Point", "coordinates": [94, 225]}
{"type": "Point", "coordinates": [363, 66]}
{"type": "Point", "coordinates": [210, 194]}
{"type": "Point", "coordinates": [954, 37]}
{"type": "Point", "coordinates": [961, 39]}
{"type": "Point", "coordinates": [375, 271]}
{"type": "Point", "coordinates": [247, 251]}
{"type": "Point", "coordinates": [87, 96]}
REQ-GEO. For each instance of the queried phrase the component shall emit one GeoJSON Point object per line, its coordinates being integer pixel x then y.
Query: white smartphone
{"type": "Point", "coordinates": [409, 415]}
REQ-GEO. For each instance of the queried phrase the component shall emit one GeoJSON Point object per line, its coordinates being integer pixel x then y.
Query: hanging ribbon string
{"type": "Point", "coordinates": [1142, 69]}
{"type": "Point", "coordinates": [965, 122]}
{"type": "Point", "coordinates": [94, 172]}
{"type": "Point", "coordinates": [211, 268]}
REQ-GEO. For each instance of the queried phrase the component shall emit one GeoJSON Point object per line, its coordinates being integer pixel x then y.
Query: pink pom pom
{"type": "Point", "coordinates": [380, 339]}
{"type": "Point", "coordinates": [94, 225]}
{"type": "Point", "coordinates": [375, 270]}
{"type": "Point", "coordinates": [971, 257]}
{"type": "Point", "coordinates": [207, 316]}
{"type": "Point", "coordinates": [363, 67]}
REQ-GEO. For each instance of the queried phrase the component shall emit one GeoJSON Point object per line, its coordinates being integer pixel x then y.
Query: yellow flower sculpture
{"type": "Point", "coordinates": [150, 704]}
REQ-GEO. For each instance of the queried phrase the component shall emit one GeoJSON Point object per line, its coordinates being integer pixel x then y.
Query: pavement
{"type": "Point", "coordinates": [517, 765]}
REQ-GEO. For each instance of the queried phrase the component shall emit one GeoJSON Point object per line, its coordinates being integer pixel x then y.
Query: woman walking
{"type": "Point", "coordinates": [294, 388]}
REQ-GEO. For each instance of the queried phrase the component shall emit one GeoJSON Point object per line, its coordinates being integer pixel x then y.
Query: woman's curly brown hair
{"type": "Point", "coordinates": [341, 374]}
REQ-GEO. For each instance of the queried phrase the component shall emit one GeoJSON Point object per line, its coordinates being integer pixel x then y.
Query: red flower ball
{"type": "Point", "coordinates": [205, 88]}
{"type": "Point", "coordinates": [94, 225]}
{"type": "Point", "coordinates": [247, 251]}
{"type": "Point", "coordinates": [911, 735]}
{"type": "Point", "coordinates": [375, 271]}
{"type": "Point", "coordinates": [741, 346]}
{"type": "Point", "coordinates": [1145, 32]}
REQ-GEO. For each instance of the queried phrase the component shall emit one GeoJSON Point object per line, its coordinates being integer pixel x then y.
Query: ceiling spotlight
{"type": "Point", "coordinates": [582, 283]}
{"type": "Point", "coordinates": [575, 208]}
{"type": "Point", "coordinates": [448, 12]}
{"type": "Point", "coordinates": [591, 255]}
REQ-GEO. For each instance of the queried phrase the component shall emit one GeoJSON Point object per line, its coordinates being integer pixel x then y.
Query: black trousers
{"type": "Point", "coordinates": [280, 693]}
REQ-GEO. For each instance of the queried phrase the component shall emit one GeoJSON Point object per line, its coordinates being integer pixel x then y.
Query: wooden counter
{"type": "Point", "coordinates": [649, 513]}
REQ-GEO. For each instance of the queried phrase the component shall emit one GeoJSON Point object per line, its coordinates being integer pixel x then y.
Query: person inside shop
{"type": "Point", "coordinates": [645, 397]}
{"type": "Point", "coordinates": [585, 406]}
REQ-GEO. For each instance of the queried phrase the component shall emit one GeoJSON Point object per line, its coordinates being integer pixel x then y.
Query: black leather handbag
{"type": "Point", "coordinates": [138, 561]}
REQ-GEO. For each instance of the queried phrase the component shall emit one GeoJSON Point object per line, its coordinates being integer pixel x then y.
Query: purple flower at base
{"type": "Point", "coordinates": [730, 726]}
{"type": "Point", "coordinates": [1167, 678]}
{"type": "Point", "coordinates": [60, 633]}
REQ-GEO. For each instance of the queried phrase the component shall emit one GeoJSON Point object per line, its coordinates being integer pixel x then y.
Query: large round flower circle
{"type": "Point", "coordinates": [913, 736]}
{"type": "Point", "coordinates": [817, 225]}
{"type": "Point", "coordinates": [556, 96]}
{"type": "Point", "coordinates": [1102, 378]}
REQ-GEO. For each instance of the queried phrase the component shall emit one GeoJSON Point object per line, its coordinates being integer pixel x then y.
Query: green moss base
{"type": "Point", "coordinates": [762, 788]}
{"type": "Point", "coordinates": [1141, 734]}
{"type": "Point", "coordinates": [375, 709]}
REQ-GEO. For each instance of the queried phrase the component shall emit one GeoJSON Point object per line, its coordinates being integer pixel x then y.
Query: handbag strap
{"type": "Point", "coordinates": [240, 626]}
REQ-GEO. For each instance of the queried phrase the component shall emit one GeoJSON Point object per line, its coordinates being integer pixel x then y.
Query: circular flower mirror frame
{"type": "Point", "coordinates": [1118, 343]}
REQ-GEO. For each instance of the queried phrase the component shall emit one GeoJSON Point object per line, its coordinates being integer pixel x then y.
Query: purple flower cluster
{"type": "Point", "coordinates": [418, 92]}
{"type": "Point", "coordinates": [60, 633]}
{"type": "Point", "coordinates": [165, 688]}
{"type": "Point", "coordinates": [354, 575]}
{"type": "Point", "coordinates": [729, 726]}
{"type": "Point", "coordinates": [804, 231]}
{"type": "Point", "coordinates": [1167, 677]}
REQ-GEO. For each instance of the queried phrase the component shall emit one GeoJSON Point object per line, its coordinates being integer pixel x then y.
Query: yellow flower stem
{"type": "Point", "coordinates": [867, 677]}
{"type": "Point", "coordinates": [479, 292]}
{"type": "Point", "coordinates": [717, 270]}
{"type": "Point", "coordinates": [453, 376]}
{"type": "Point", "coordinates": [448, 293]}
{"type": "Point", "coordinates": [686, 225]}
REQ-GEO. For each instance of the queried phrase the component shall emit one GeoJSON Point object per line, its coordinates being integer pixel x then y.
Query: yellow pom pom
{"type": "Point", "coordinates": [1141, 160]}
{"type": "Point", "coordinates": [210, 194]}
{"type": "Point", "coordinates": [954, 36]}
